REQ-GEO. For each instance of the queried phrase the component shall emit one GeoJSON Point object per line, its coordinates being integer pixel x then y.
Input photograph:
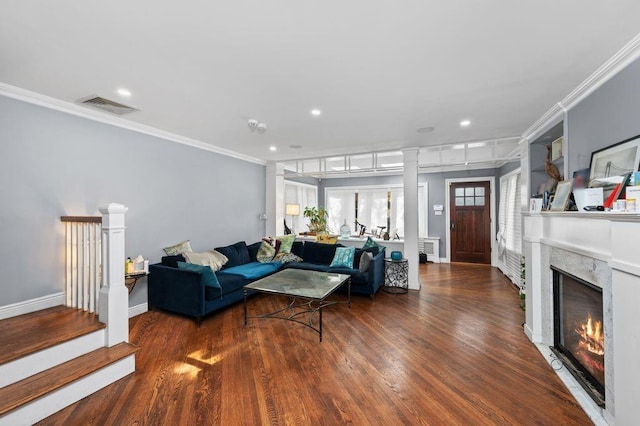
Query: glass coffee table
{"type": "Point", "coordinates": [308, 293]}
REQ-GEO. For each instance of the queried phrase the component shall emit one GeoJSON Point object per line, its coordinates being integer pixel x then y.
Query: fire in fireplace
{"type": "Point", "coordinates": [578, 331]}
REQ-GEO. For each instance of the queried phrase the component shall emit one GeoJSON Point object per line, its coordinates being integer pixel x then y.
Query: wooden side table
{"type": "Point", "coordinates": [131, 279]}
{"type": "Point", "coordinates": [396, 276]}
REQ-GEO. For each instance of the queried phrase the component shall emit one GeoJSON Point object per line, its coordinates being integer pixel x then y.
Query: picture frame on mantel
{"type": "Point", "coordinates": [561, 198]}
{"type": "Point", "coordinates": [610, 165]}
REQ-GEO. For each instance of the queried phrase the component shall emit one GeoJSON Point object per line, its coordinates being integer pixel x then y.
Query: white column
{"type": "Point", "coordinates": [534, 276]}
{"type": "Point", "coordinates": [275, 199]}
{"type": "Point", "coordinates": [114, 297]}
{"type": "Point", "coordinates": [411, 231]}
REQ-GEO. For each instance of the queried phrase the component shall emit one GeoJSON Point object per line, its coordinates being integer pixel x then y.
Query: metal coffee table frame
{"type": "Point", "coordinates": [308, 293]}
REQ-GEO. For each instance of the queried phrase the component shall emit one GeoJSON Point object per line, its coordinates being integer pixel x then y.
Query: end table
{"type": "Point", "coordinates": [396, 276]}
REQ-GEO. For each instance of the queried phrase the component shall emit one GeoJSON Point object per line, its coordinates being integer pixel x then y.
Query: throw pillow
{"type": "Point", "coordinates": [183, 247]}
{"type": "Point", "coordinates": [370, 243]}
{"type": "Point", "coordinates": [210, 258]}
{"type": "Point", "coordinates": [365, 261]}
{"type": "Point", "coordinates": [265, 252]}
{"type": "Point", "coordinates": [286, 242]}
{"type": "Point", "coordinates": [343, 257]}
{"type": "Point", "coordinates": [208, 277]}
{"type": "Point", "coordinates": [287, 258]}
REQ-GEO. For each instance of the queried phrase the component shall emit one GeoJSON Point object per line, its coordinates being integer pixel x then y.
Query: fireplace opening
{"type": "Point", "coordinates": [578, 331]}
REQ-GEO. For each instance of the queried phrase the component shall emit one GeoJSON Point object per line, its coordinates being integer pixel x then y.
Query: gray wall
{"type": "Point", "coordinates": [607, 116]}
{"type": "Point", "coordinates": [436, 184]}
{"type": "Point", "coordinates": [54, 164]}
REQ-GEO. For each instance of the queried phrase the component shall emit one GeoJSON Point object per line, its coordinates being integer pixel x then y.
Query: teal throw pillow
{"type": "Point", "coordinates": [370, 243]}
{"type": "Point", "coordinates": [208, 276]}
{"type": "Point", "coordinates": [343, 257]}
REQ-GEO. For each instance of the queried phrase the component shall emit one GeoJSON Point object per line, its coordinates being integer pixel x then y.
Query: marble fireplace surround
{"type": "Point", "coordinates": [601, 248]}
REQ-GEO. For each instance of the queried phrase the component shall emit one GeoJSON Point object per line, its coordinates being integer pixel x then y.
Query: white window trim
{"type": "Point", "coordinates": [422, 186]}
{"type": "Point", "coordinates": [492, 213]}
{"type": "Point", "coordinates": [300, 185]}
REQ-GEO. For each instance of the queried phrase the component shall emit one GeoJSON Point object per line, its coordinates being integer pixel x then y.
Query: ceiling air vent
{"type": "Point", "coordinates": [108, 105]}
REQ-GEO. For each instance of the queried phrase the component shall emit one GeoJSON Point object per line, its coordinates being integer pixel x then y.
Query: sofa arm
{"type": "Point", "coordinates": [176, 290]}
{"type": "Point", "coordinates": [376, 272]}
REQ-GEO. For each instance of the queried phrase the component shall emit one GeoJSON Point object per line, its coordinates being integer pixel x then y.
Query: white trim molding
{"type": "Point", "coordinates": [492, 210]}
{"type": "Point", "coordinates": [101, 117]}
{"type": "Point", "coordinates": [138, 309]}
{"type": "Point", "coordinates": [31, 305]}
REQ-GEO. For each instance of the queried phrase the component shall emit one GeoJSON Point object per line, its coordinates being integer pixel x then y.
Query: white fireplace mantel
{"type": "Point", "coordinates": [593, 245]}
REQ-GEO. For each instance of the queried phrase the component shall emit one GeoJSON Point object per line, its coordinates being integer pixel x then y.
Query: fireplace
{"type": "Point", "coordinates": [578, 331]}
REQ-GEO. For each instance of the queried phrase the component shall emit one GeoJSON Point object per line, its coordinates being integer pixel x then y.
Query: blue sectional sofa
{"type": "Point", "coordinates": [184, 292]}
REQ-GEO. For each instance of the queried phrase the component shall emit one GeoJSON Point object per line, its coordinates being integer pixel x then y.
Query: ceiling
{"type": "Point", "coordinates": [377, 70]}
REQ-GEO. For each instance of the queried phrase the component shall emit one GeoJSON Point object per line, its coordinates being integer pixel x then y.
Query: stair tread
{"type": "Point", "coordinates": [31, 388]}
{"type": "Point", "coordinates": [25, 334]}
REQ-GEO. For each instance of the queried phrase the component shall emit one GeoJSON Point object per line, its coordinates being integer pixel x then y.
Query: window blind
{"type": "Point", "coordinates": [510, 227]}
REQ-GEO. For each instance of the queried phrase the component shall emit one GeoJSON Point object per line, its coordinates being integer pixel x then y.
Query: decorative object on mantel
{"type": "Point", "coordinates": [552, 171]}
{"type": "Point", "coordinates": [612, 167]}
{"type": "Point", "coordinates": [563, 191]}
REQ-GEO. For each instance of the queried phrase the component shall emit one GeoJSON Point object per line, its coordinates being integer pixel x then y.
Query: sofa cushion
{"type": "Point", "coordinates": [182, 247]}
{"type": "Point", "coordinates": [237, 253]}
{"type": "Point", "coordinates": [208, 277]}
{"type": "Point", "coordinates": [253, 250]}
{"type": "Point", "coordinates": [365, 261]}
{"type": "Point", "coordinates": [211, 258]}
{"type": "Point", "coordinates": [297, 248]}
{"type": "Point", "coordinates": [252, 270]}
{"type": "Point", "coordinates": [318, 253]}
{"type": "Point", "coordinates": [266, 252]}
{"type": "Point", "coordinates": [343, 257]}
{"type": "Point", "coordinates": [356, 258]}
{"type": "Point", "coordinates": [357, 277]}
{"type": "Point", "coordinates": [172, 261]}
{"type": "Point", "coordinates": [287, 258]}
{"type": "Point", "coordinates": [370, 243]}
{"type": "Point", "coordinates": [286, 242]}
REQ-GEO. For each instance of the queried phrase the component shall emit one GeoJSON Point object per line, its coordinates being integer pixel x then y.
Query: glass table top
{"type": "Point", "coordinates": [297, 282]}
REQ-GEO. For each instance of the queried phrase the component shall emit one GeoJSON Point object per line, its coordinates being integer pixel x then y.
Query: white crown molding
{"type": "Point", "coordinates": [101, 117]}
{"type": "Point", "coordinates": [625, 56]}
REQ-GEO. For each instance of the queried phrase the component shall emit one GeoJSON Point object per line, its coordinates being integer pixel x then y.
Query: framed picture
{"type": "Point", "coordinates": [563, 191]}
{"type": "Point", "coordinates": [556, 148]}
{"type": "Point", "coordinates": [610, 165]}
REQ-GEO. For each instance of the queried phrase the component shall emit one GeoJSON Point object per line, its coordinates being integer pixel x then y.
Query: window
{"type": "Point", "coordinates": [374, 207]}
{"type": "Point", "coordinates": [305, 196]}
{"type": "Point", "coordinates": [510, 226]}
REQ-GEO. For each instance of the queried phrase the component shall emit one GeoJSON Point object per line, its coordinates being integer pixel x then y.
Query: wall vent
{"type": "Point", "coordinates": [108, 105]}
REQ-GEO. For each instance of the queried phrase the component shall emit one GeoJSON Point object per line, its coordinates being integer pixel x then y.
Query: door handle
{"type": "Point", "coordinates": [453, 226]}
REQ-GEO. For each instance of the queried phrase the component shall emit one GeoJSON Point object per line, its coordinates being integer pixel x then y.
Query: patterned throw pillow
{"type": "Point", "coordinates": [343, 257]}
{"type": "Point", "coordinates": [370, 243]}
{"type": "Point", "coordinates": [286, 242]}
{"type": "Point", "coordinates": [287, 258]}
{"type": "Point", "coordinates": [208, 276]}
{"type": "Point", "coordinates": [265, 252]}
{"type": "Point", "coordinates": [183, 247]}
{"type": "Point", "coordinates": [211, 258]}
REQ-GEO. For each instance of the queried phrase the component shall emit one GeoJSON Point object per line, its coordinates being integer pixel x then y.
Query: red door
{"type": "Point", "coordinates": [470, 218]}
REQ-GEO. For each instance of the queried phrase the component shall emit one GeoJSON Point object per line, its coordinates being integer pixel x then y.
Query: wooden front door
{"type": "Point", "coordinates": [470, 218]}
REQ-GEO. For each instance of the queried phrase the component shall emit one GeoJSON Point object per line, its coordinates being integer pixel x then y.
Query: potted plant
{"type": "Point", "coordinates": [317, 219]}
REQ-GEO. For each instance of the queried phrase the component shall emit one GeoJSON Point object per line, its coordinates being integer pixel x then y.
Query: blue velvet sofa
{"type": "Point", "coordinates": [184, 292]}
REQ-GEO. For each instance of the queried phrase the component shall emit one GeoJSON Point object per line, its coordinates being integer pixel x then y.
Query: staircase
{"type": "Point", "coordinates": [53, 358]}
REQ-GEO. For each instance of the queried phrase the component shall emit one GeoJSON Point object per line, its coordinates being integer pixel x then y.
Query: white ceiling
{"type": "Point", "coordinates": [378, 70]}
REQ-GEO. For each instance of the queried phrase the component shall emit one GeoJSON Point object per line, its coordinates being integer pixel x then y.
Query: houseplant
{"type": "Point", "coordinates": [317, 219]}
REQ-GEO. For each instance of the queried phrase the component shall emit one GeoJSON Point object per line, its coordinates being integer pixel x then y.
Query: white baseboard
{"type": "Point", "coordinates": [444, 260]}
{"type": "Point", "coordinates": [32, 305]}
{"type": "Point", "coordinates": [138, 309]}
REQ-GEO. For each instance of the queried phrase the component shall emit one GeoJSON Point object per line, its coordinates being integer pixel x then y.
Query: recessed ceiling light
{"type": "Point", "coordinates": [316, 112]}
{"type": "Point", "coordinates": [124, 92]}
{"type": "Point", "coordinates": [428, 129]}
{"type": "Point", "coordinates": [465, 123]}
{"type": "Point", "coordinates": [273, 148]}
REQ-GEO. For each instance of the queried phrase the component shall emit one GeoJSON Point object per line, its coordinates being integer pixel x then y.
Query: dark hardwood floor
{"type": "Point", "coordinates": [451, 353]}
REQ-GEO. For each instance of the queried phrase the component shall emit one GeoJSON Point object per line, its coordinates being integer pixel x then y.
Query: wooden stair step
{"type": "Point", "coordinates": [32, 388]}
{"type": "Point", "coordinates": [25, 334]}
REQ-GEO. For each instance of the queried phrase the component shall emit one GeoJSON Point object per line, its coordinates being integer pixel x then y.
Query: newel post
{"type": "Point", "coordinates": [114, 297]}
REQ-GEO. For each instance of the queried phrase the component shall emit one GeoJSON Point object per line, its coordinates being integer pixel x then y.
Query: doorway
{"type": "Point", "coordinates": [470, 222]}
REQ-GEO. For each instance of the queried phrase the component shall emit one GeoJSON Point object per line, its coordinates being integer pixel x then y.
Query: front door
{"type": "Point", "coordinates": [470, 222]}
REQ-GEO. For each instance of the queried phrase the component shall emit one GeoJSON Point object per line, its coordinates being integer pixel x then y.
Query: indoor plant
{"type": "Point", "coordinates": [317, 219]}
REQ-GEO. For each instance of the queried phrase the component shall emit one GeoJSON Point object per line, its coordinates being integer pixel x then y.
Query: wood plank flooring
{"type": "Point", "coordinates": [452, 353]}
